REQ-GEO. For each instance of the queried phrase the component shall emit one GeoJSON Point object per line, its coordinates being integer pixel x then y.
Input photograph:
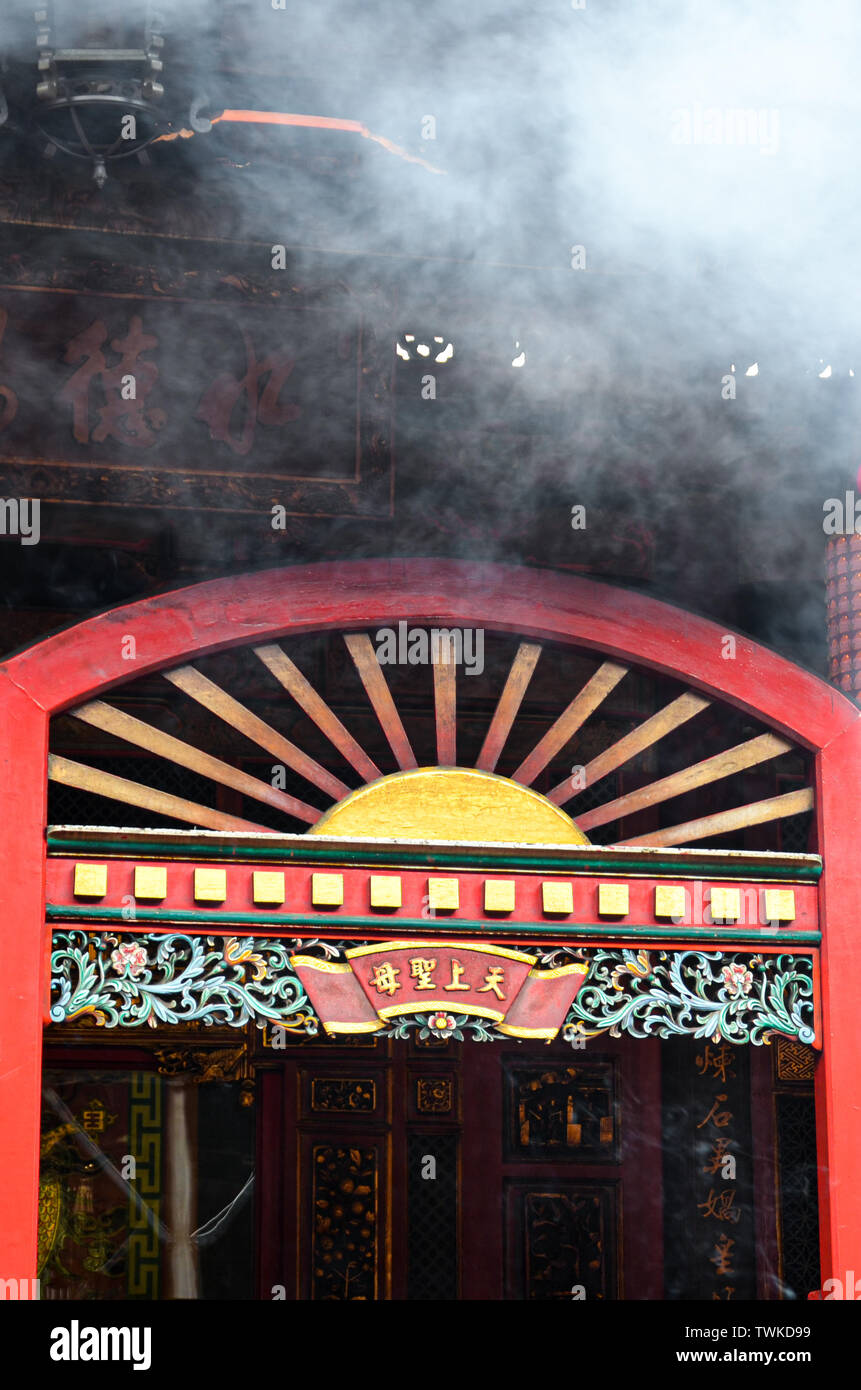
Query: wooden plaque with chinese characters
{"type": "Point", "coordinates": [193, 389]}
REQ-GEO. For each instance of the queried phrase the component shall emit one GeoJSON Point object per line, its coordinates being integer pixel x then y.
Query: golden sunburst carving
{"type": "Point", "coordinates": [450, 803]}
{"type": "Point", "coordinates": [446, 798]}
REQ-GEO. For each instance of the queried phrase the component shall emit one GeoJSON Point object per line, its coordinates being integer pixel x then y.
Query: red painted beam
{"type": "Point", "coordinates": [528, 907]}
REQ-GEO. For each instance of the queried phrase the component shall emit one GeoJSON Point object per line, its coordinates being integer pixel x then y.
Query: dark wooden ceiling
{"type": "Point", "coordinates": [617, 407]}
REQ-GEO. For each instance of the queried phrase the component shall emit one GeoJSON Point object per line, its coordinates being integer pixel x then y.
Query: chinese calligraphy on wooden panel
{"type": "Point", "coordinates": [162, 401]}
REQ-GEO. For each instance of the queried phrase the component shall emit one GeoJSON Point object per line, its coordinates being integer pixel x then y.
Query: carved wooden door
{"type": "Point", "coordinates": [359, 1165]}
{"type": "Point", "coordinates": [462, 1171]}
{"type": "Point", "coordinates": [562, 1172]}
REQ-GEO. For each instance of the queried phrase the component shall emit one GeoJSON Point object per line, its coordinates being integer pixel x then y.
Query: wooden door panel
{"type": "Point", "coordinates": [344, 1215]}
{"type": "Point", "coordinates": [562, 1239]}
{"type": "Point", "coordinates": [469, 1172]}
{"type": "Point", "coordinates": [562, 1171]}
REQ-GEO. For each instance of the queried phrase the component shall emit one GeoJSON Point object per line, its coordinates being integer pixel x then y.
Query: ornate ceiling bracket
{"type": "Point", "coordinates": [127, 980]}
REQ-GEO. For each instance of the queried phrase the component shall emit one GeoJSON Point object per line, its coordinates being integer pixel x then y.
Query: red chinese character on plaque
{"type": "Point", "coordinates": [123, 387]}
{"type": "Point", "coordinates": [8, 399]}
{"type": "Point", "coordinates": [220, 402]}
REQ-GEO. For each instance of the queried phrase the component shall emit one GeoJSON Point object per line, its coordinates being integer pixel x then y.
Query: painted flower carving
{"type": "Point", "coordinates": [442, 1024]}
{"type": "Point", "coordinates": [129, 956]}
{"type": "Point", "coordinates": [738, 980]}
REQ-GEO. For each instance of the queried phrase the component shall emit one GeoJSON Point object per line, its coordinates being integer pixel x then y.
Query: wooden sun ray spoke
{"type": "Point", "coordinates": [755, 813]}
{"type": "Point", "coordinates": [361, 649]}
{"type": "Point", "coordinates": [647, 733]}
{"type": "Point", "coordinates": [510, 700]}
{"type": "Point", "coordinates": [744, 755]}
{"type": "Point", "coordinates": [596, 689]}
{"type": "Point", "coordinates": [445, 708]}
{"type": "Point", "coordinates": [125, 726]}
{"type": "Point", "coordinates": [91, 779]}
{"type": "Point", "coordinates": [200, 688]}
{"type": "Point", "coordinates": [287, 673]}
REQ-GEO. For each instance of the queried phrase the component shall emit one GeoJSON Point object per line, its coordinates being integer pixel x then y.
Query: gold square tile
{"type": "Point", "coordinates": [443, 894]}
{"type": "Point", "coordinates": [268, 887]}
{"type": "Point", "coordinates": [499, 895]}
{"type": "Point", "coordinates": [91, 880]}
{"type": "Point", "coordinates": [150, 881]}
{"type": "Point", "coordinates": [670, 901]}
{"type": "Point", "coordinates": [779, 905]}
{"type": "Point", "coordinates": [725, 904]}
{"type": "Point", "coordinates": [385, 890]}
{"type": "Point", "coordinates": [613, 900]}
{"type": "Point", "coordinates": [327, 890]}
{"type": "Point", "coordinates": [210, 885]}
{"type": "Point", "coordinates": [557, 897]}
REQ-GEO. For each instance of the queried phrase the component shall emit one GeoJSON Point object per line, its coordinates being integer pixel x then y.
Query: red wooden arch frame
{"type": "Point", "coordinates": [86, 660]}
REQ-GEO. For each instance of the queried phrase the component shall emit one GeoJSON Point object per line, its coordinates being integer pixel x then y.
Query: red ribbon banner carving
{"type": "Point", "coordinates": [395, 978]}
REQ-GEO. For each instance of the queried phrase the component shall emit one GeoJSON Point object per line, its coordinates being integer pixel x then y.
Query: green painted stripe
{"type": "Point", "coordinates": [436, 858]}
{"type": "Point", "coordinates": [437, 926]}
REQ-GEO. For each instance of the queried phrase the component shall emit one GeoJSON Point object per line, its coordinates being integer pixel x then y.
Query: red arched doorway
{"type": "Point", "coordinates": [87, 660]}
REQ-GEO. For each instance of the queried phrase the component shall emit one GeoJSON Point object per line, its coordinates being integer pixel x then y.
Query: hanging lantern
{"type": "Point", "coordinates": [99, 93]}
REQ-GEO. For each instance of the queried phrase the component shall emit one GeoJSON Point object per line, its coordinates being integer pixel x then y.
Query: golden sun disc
{"type": "Point", "coordinates": [450, 803]}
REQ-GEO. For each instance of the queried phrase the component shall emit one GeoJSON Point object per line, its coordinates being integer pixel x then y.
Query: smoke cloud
{"type": "Point", "coordinates": [635, 204]}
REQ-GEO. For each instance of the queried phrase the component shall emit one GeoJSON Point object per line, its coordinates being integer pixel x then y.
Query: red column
{"type": "Point", "coordinates": [838, 1098]}
{"type": "Point", "coordinates": [23, 756]}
